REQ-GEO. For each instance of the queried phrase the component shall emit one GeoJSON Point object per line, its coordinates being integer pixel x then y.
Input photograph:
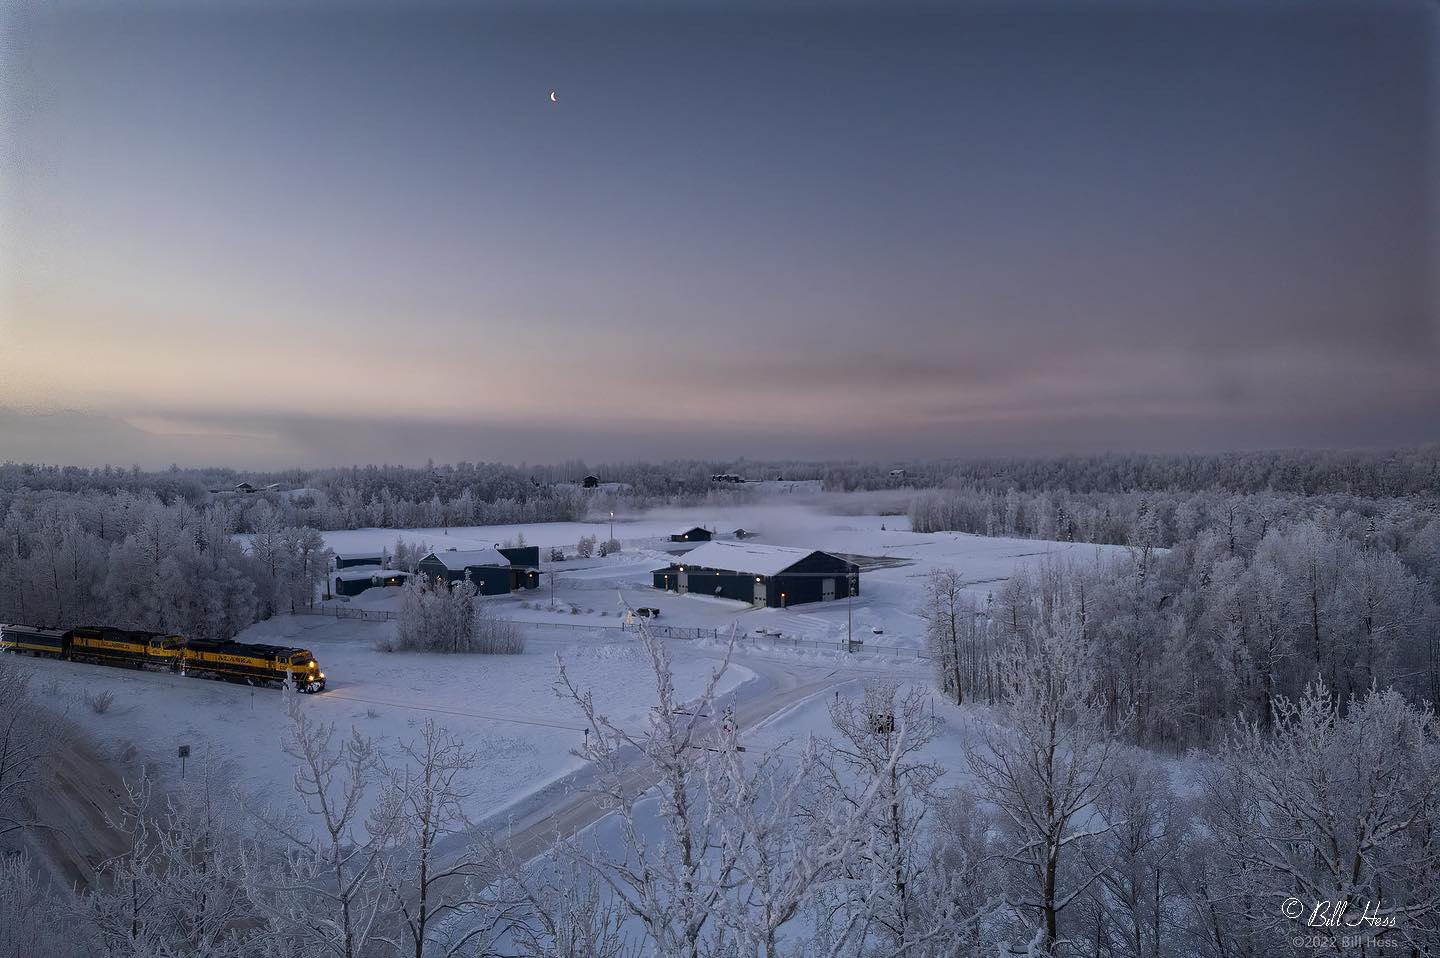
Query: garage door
{"type": "Point", "coordinates": [760, 594]}
{"type": "Point", "coordinates": [827, 590]}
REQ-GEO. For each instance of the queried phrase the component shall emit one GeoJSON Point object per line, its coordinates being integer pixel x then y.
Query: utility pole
{"type": "Point", "coordinates": [552, 588]}
{"type": "Point", "coordinates": [849, 613]}
{"type": "Point", "coordinates": [612, 527]}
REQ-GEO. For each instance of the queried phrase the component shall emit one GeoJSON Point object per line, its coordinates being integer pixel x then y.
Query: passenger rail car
{"type": "Point", "coordinates": [233, 661]}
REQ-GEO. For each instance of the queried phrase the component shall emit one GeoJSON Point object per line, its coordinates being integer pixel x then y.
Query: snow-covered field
{"type": "Point", "coordinates": [889, 594]}
{"type": "Point", "coordinates": [505, 706]}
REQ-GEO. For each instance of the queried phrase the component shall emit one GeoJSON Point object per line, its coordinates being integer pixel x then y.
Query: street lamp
{"type": "Point", "coordinates": [612, 527]}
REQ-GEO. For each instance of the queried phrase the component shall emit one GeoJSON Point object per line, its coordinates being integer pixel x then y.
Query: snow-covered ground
{"type": "Point", "coordinates": [889, 594]}
{"type": "Point", "coordinates": [504, 706]}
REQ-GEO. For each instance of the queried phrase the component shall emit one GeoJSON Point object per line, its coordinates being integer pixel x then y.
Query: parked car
{"type": "Point", "coordinates": [648, 613]}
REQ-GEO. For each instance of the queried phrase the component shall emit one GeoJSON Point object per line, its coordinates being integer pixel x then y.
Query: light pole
{"type": "Point", "coordinates": [612, 527]}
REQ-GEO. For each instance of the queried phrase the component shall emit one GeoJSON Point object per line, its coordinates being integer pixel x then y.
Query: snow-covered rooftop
{"type": "Point", "coordinates": [686, 529]}
{"type": "Point", "coordinates": [363, 573]}
{"type": "Point", "coordinates": [744, 557]}
{"type": "Point", "coordinates": [378, 553]}
{"type": "Point", "coordinates": [458, 561]}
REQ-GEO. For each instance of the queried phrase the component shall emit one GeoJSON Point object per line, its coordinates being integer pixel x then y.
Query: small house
{"type": "Point", "coordinates": [487, 569]}
{"type": "Point", "coordinates": [590, 482]}
{"type": "Point", "coordinates": [351, 560]}
{"type": "Point", "coordinates": [356, 581]}
{"type": "Point", "coordinates": [692, 534]}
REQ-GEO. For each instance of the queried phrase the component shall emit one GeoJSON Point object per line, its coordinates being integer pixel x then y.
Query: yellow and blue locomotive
{"type": "Point", "coordinates": [233, 661]}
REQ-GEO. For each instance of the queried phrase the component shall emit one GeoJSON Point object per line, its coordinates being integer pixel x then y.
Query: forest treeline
{"type": "Point", "coordinates": [468, 493]}
{"type": "Point", "coordinates": [133, 561]}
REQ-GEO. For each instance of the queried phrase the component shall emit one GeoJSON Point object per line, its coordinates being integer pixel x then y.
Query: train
{"type": "Point", "coordinates": [233, 661]}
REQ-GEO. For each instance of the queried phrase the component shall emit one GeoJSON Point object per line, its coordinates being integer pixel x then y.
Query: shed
{"type": "Point", "coordinates": [356, 580]}
{"type": "Point", "coordinates": [590, 482]}
{"type": "Point", "coordinates": [773, 576]}
{"type": "Point", "coordinates": [692, 534]}
{"type": "Point", "coordinates": [486, 568]}
{"type": "Point", "coordinates": [245, 487]}
{"type": "Point", "coordinates": [349, 560]}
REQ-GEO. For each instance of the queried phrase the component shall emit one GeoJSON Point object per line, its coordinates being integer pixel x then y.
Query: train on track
{"type": "Point", "coordinates": [155, 651]}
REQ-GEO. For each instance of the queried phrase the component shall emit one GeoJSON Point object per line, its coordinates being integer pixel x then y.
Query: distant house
{"type": "Point", "coordinates": [772, 576]}
{"type": "Point", "coordinates": [486, 568]}
{"type": "Point", "coordinates": [898, 473]}
{"type": "Point", "coordinates": [350, 560]}
{"type": "Point", "coordinates": [692, 534]}
{"type": "Point", "coordinates": [245, 487]}
{"type": "Point", "coordinates": [743, 533]}
{"type": "Point", "coordinates": [356, 581]}
{"type": "Point", "coordinates": [590, 482]}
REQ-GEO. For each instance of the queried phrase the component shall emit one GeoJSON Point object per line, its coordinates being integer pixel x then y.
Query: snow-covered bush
{"type": "Point", "coordinates": [609, 547]}
{"type": "Point", "coordinates": [557, 554]}
{"type": "Point", "coordinates": [100, 702]}
{"type": "Point", "coordinates": [437, 619]}
{"type": "Point", "coordinates": [585, 547]}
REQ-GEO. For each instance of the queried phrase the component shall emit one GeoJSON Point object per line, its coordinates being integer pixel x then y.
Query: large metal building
{"type": "Point", "coordinates": [486, 568]}
{"type": "Point", "coordinates": [774, 576]}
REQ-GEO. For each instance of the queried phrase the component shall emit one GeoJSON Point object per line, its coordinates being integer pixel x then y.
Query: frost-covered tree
{"type": "Point", "coordinates": [1044, 767]}
{"type": "Point", "coordinates": [878, 769]}
{"type": "Point", "coordinates": [954, 633]}
{"type": "Point", "coordinates": [1329, 807]}
{"type": "Point", "coordinates": [29, 736]}
{"type": "Point", "coordinates": [425, 795]}
{"type": "Point", "coordinates": [329, 889]}
{"type": "Point", "coordinates": [738, 855]}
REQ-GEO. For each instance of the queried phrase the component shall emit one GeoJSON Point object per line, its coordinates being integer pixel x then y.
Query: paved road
{"type": "Point", "coordinates": [566, 807]}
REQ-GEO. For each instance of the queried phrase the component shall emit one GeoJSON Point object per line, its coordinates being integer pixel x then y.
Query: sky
{"type": "Point", "coordinates": [255, 233]}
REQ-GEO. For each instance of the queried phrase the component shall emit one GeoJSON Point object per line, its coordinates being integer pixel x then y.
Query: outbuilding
{"type": "Point", "coordinates": [764, 575]}
{"type": "Point", "coordinates": [692, 534]}
{"type": "Point", "coordinates": [487, 569]}
{"type": "Point", "coordinates": [590, 482]}
{"type": "Point", "coordinates": [524, 566]}
{"type": "Point", "coordinates": [356, 580]}
{"type": "Point", "coordinates": [349, 560]}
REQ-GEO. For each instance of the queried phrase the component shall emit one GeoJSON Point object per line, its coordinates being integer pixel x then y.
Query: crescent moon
{"type": "Point", "coordinates": [553, 98]}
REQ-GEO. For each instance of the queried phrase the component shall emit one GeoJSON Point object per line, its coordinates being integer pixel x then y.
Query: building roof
{"type": "Point", "coordinates": [361, 574]}
{"type": "Point", "coordinates": [375, 554]}
{"type": "Point", "coordinates": [686, 530]}
{"type": "Point", "coordinates": [750, 557]}
{"type": "Point", "coordinates": [457, 561]}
